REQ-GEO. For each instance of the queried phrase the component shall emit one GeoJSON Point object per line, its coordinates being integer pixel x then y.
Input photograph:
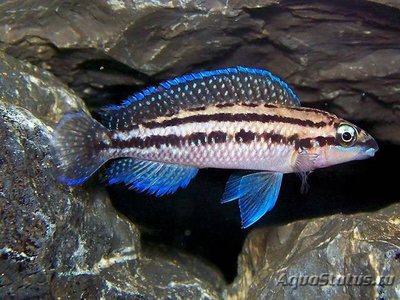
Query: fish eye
{"type": "Point", "coordinates": [346, 135]}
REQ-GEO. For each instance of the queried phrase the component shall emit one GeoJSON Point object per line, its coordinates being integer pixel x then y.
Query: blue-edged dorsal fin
{"type": "Point", "coordinates": [193, 90]}
{"type": "Point", "coordinates": [257, 194]}
{"type": "Point", "coordinates": [153, 177]}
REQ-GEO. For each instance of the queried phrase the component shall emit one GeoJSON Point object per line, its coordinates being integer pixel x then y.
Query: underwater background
{"type": "Point", "coordinates": [93, 241]}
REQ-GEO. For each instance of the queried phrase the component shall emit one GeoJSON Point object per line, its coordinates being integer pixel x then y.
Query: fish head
{"type": "Point", "coordinates": [350, 143]}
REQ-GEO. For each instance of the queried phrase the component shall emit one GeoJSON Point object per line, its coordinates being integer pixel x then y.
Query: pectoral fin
{"type": "Point", "coordinates": [305, 163]}
{"type": "Point", "coordinates": [257, 194]}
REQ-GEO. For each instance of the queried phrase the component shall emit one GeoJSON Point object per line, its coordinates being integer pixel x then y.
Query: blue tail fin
{"type": "Point", "coordinates": [77, 140]}
{"type": "Point", "coordinates": [257, 194]}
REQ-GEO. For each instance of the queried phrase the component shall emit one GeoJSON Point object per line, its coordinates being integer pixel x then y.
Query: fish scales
{"type": "Point", "coordinates": [235, 118]}
{"type": "Point", "coordinates": [200, 89]}
{"type": "Point", "coordinates": [235, 136]}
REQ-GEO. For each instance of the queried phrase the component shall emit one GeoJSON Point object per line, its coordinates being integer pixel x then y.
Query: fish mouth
{"type": "Point", "coordinates": [371, 146]}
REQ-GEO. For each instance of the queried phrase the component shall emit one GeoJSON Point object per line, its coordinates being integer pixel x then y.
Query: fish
{"type": "Point", "coordinates": [240, 118]}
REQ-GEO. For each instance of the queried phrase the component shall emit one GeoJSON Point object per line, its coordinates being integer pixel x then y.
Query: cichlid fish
{"type": "Point", "coordinates": [234, 118]}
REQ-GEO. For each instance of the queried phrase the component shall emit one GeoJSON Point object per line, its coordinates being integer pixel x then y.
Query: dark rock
{"type": "Point", "coordinates": [362, 244]}
{"type": "Point", "coordinates": [342, 56]}
{"type": "Point", "coordinates": [57, 241]}
{"type": "Point", "coordinates": [338, 55]}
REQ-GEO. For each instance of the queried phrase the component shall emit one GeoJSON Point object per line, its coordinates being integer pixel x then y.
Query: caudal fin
{"type": "Point", "coordinates": [77, 140]}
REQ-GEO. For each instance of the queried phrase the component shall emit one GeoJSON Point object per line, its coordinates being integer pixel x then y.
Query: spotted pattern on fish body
{"type": "Point", "coordinates": [235, 118]}
{"type": "Point", "coordinates": [197, 90]}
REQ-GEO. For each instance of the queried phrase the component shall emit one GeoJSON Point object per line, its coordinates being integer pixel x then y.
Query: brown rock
{"type": "Point", "coordinates": [340, 56]}
{"type": "Point", "coordinates": [59, 241]}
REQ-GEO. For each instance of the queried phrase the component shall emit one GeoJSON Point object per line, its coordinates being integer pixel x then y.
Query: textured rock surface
{"type": "Point", "coordinates": [57, 241]}
{"type": "Point", "coordinates": [361, 244]}
{"type": "Point", "coordinates": [339, 55]}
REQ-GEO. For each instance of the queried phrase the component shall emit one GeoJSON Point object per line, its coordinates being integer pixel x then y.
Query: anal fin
{"type": "Point", "coordinates": [153, 177]}
{"type": "Point", "coordinates": [257, 194]}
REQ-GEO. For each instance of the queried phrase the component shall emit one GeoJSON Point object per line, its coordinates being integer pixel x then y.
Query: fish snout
{"type": "Point", "coordinates": [371, 146]}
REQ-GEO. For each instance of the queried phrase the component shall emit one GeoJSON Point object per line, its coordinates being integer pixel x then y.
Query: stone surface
{"type": "Point", "coordinates": [361, 244]}
{"type": "Point", "coordinates": [341, 56]}
{"type": "Point", "coordinates": [338, 55]}
{"type": "Point", "coordinates": [57, 241]}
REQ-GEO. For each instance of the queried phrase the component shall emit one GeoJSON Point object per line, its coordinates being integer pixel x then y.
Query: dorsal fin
{"type": "Point", "coordinates": [228, 85]}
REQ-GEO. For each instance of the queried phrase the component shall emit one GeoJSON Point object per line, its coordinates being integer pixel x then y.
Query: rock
{"type": "Point", "coordinates": [361, 244]}
{"type": "Point", "coordinates": [58, 241]}
{"type": "Point", "coordinates": [339, 56]}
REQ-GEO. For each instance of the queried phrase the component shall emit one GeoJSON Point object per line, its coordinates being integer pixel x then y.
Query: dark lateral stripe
{"type": "Point", "coordinates": [222, 105]}
{"type": "Point", "coordinates": [308, 109]}
{"type": "Point", "coordinates": [229, 117]}
{"type": "Point", "coordinates": [248, 104]}
{"type": "Point", "coordinates": [217, 137]}
{"type": "Point", "coordinates": [196, 138]}
{"type": "Point", "coordinates": [199, 108]}
{"type": "Point", "coordinates": [245, 136]}
{"type": "Point", "coordinates": [303, 143]}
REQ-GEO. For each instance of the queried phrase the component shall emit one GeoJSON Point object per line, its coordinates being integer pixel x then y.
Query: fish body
{"type": "Point", "coordinates": [234, 136]}
{"type": "Point", "coordinates": [236, 118]}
